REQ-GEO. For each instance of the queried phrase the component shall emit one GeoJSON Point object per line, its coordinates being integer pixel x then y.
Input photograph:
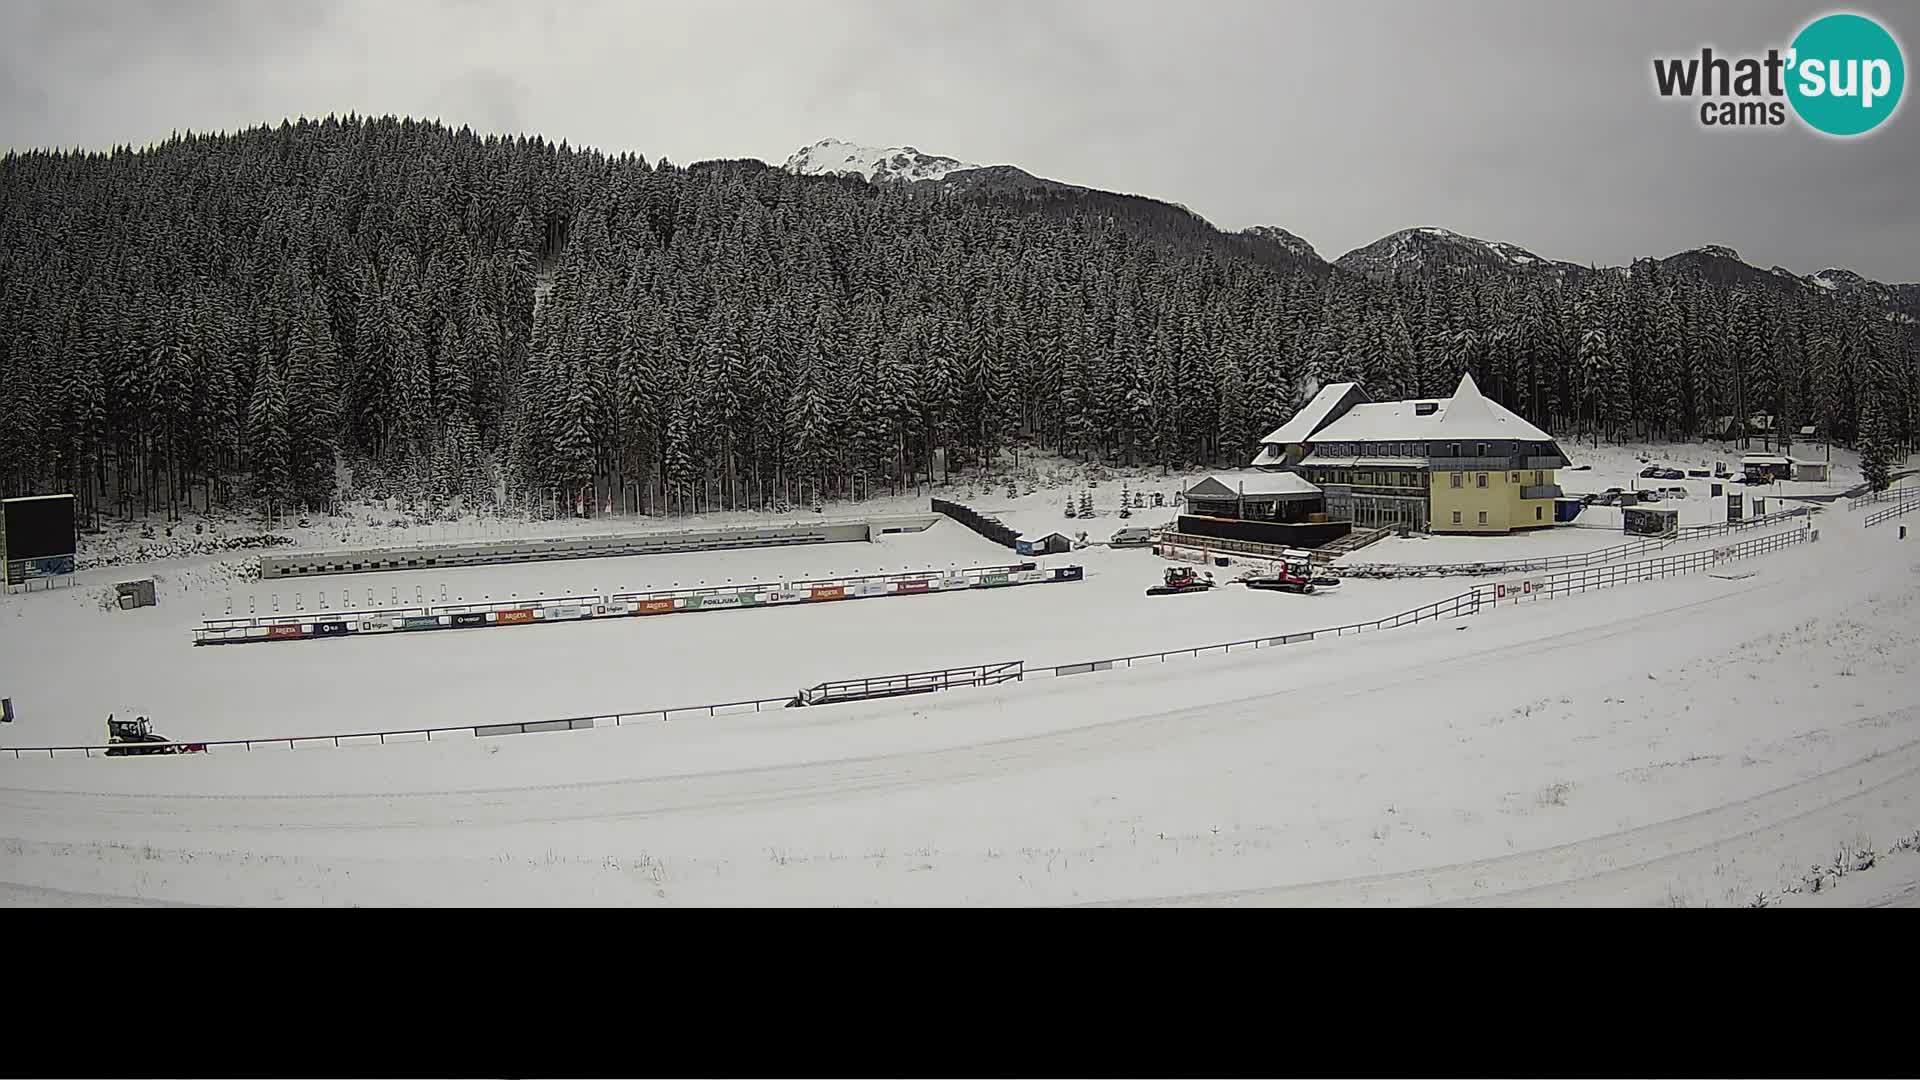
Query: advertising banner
{"type": "Point", "coordinates": [20, 571]}
{"type": "Point", "coordinates": [470, 618]}
{"type": "Point", "coordinates": [514, 615]}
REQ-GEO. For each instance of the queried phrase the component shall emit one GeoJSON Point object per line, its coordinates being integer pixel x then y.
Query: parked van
{"type": "Point", "coordinates": [1133, 537]}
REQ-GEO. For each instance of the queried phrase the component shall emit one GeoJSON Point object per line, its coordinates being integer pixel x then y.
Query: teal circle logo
{"type": "Point", "coordinates": [1846, 74]}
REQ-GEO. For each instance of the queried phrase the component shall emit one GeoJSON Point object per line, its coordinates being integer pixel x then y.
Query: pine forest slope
{"type": "Point", "coordinates": [220, 319]}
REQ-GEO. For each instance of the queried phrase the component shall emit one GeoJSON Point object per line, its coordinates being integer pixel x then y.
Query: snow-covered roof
{"type": "Point", "coordinates": [1265, 485]}
{"type": "Point", "coordinates": [1465, 415]}
{"type": "Point", "coordinates": [1765, 459]}
{"type": "Point", "coordinates": [1301, 428]}
{"type": "Point", "coordinates": [1269, 455]}
{"type": "Point", "coordinates": [1035, 537]}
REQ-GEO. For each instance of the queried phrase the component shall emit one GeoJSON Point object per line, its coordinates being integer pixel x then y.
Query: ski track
{"type": "Point", "coordinates": [1012, 773]}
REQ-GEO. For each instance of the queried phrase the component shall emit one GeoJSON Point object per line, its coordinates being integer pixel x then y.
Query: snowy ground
{"type": "Point", "coordinates": [1695, 741]}
{"type": "Point", "coordinates": [463, 677]}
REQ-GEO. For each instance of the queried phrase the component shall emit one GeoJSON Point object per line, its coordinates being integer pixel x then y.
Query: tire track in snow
{"type": "Point", "coordinates": [1818, 805]}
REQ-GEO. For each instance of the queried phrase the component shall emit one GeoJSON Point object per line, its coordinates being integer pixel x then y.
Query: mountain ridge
{"type": "Point", "coordinates": [1413, 249]}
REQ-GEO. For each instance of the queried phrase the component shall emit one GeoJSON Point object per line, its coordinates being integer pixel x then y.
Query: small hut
{"type": "Point", "coordinates": [1766, 468]}
{"type": "Point", "coordinates": [1649, 521]}
{"type": "Point", "coordinates": [1052, 543]}
{"type": "Point", "coordinates": [1817, 472]}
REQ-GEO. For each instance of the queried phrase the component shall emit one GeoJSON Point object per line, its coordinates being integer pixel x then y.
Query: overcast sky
{"type": "Point", "coordinates": [1529, 121]}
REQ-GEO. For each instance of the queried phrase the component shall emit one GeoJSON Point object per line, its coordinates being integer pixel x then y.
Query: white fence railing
{"type": "Point", "coordinates": [1576, 561]}
{"type": "Point", "coordinates": [1891, 512]}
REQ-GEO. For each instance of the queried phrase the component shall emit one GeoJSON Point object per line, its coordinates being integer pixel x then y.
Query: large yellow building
{"type": "Point", "coordinates": [1462, 464]}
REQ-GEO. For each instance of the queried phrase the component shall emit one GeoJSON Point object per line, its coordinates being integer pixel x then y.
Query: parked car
{"type": "Point", "coordinates": [1671, 474]}
{"type": "Point", "coordinates": [1611, 497]}
{"type": "Point", "coordinates": [1649, 472]}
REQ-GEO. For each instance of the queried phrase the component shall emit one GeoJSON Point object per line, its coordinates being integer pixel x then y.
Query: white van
{"type": "Point", "coordinates": [1138, 536]}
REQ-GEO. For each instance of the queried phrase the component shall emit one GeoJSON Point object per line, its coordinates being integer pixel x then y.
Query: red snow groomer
{"type": "Point", "coordinates": [1293, 574]}
{"type": "Point", "coordinates": [1181, 579]}
{"type": "Point", "coordinates": [136, 738]}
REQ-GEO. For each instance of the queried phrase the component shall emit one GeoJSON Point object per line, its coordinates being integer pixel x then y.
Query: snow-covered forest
{"type": "Point", "coordinates": [219, 320]}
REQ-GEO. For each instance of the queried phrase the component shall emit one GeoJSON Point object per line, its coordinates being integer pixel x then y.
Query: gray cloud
{"type": "Point", "coordinates": [1514, 120]}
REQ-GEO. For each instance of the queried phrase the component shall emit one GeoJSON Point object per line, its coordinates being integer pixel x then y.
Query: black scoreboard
{"type": "Point", "coordinates": [37, 537]}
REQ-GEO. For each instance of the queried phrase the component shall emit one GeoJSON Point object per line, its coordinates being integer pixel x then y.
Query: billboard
{"type": "Point", "coordinates": [37, 537]}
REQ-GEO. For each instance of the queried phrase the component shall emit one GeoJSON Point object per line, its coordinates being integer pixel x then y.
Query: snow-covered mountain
{"type": "Point", "coordinates": [1415, 250]}
{"type": "Point", "coordinates": [831, 157]}
{"type": "Point", "coordinates": [1847, 285]}
{"type": "Point", "coordinates": [1277, 235]}
{"type": "Point", "coordinates": [1723, 265]}
{"type": "Point", "coordinates": [1428, 248]}
{"type": "Point", "coordinates": [1158, 220]}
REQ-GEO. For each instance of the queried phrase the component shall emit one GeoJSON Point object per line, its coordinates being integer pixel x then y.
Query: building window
{"type": "Point", "coordinates": [1483, 517]}
{"type": "Point", "coordinates": [1516, 478]}
{"type": "Point", "coordinates": [1536, 478]}
{"type": "Point", "coordinates": [1456, 517]}
{"type": "Point", "coordinates": [1481, 480]}
{"type": "Point", "coordinates": [1456, 479]}
{"type": "Point", "coordinates": [1483, 451]}
{"type": "Point", "coordinates": [1536, 512]}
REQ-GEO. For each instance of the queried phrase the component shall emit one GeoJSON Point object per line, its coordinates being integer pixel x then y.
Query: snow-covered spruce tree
{"type": "Point", "coordinates": [267, 439]}
{"type": "Point", "coordinates": [1876, 445]}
